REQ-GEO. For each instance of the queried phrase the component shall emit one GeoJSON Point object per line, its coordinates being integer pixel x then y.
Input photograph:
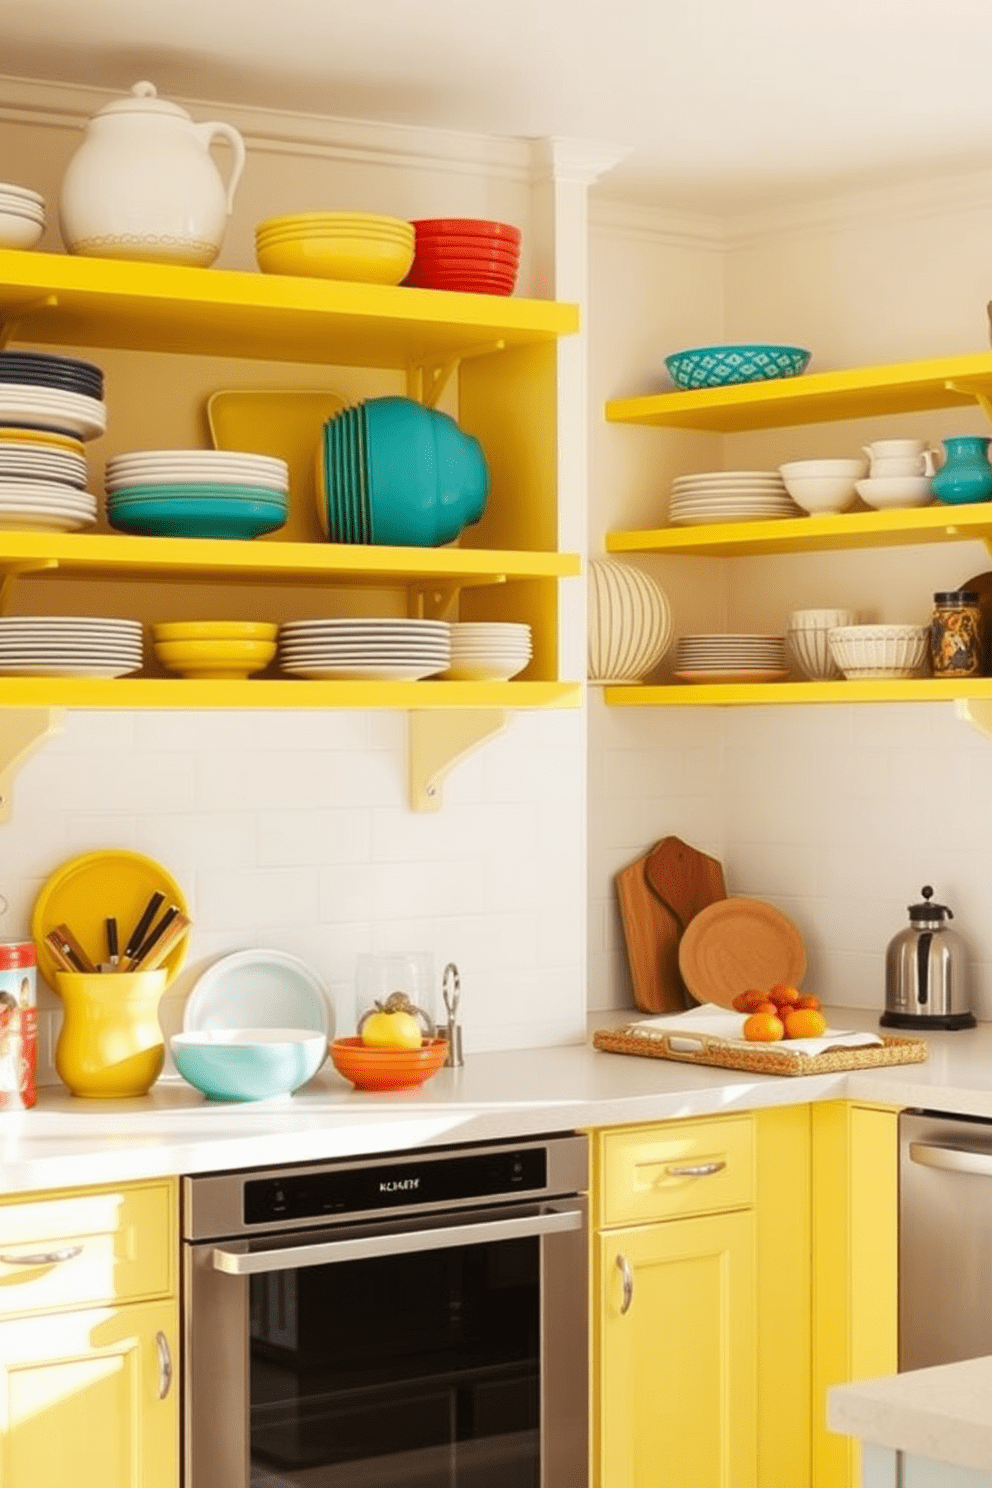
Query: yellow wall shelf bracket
{"type": "Point", "coordinates": [22, 731]}
{"type": "Point", "coordinates": [10, 326]}
{"type": "Point", "coordinates": [13, 571]}
{"type": "Point", "coordinates": [439, 601]}
{"type": "Point", "coordinates": [977, 712]}
{"type": "Point", "coordinates": [438, 740]}
{"type": "Point", "coordinates": [426, 381]}
{"type": "Point", "coordinates": [983, 399]}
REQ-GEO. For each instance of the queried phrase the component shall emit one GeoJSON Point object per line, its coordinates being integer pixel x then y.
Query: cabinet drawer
{"type": "Point", "coordinates": [80, 1248]}
{"type": "Point", "coordinates": [667, 1170]}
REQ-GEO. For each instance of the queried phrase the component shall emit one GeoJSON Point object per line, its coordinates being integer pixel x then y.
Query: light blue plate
{"type": "Point", "coordinates": [196, 490]}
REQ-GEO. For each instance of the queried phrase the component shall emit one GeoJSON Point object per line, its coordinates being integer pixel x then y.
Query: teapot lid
{"type": "Point", "coordinates": [928, 911]}
{"type": "Point", "coordinates": [143, 99]}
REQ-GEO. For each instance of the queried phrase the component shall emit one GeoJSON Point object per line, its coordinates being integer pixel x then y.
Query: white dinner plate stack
{"type": "Point", "coordinates": [371, 650]}
{"type": "Point", "coordinates": [45, 390]}
{"type": "Point", "coordinates": [196, 467]}
{"type": "Point", "coordinates": [488, 651]}
{"type": "Point", "coordinates": [730, 496]}
{"type": "Point", "coordinates": [43, 482]}
{"type": "Point", "coordinates": [22, 216]}
{"type": "Point", "coordinates": [69, 646]}
{"type": "Point", "coordinates": [731, 658]}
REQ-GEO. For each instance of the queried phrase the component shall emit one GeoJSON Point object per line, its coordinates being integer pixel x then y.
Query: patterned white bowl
{"type": "Point", "coordinates": [807, 639]}
{"type": "Point", "coordinates": [878, 651]}
{"type": "Point", "coordinates": [630, 622]}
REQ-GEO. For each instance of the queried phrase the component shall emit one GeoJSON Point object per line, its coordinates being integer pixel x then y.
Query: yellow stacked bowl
{"type": "Point", "coordinates": [214, 648]}
{"type": "Point", "coordinates": [358, 246]}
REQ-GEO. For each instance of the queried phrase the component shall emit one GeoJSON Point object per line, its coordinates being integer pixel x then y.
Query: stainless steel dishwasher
{"type": "Point", "coordinates": [945, 1238]}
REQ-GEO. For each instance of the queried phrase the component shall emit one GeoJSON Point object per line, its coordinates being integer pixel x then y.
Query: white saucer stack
{"type": "Point", "coordinates": [69, 646]}
{"type": "Point", "coordinates": [730, 496]}
{"type": "Point", "coordinates": [488, 651]}
{"type": "Point", "coordinates": [731, 658]}
{"type": "Point", "coordinates": [376, 650]}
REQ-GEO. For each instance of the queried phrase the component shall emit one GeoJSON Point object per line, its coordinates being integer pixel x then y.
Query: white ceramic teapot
{"type": "Point", "coordinates": [143, 184]}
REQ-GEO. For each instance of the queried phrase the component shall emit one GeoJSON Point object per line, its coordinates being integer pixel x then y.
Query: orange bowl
{"type": "Point", "coordinates": [387, 1069]}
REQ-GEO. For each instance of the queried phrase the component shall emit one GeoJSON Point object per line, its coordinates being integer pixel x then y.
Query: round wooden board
{"type": "Point", "coordinates": [738, 944]}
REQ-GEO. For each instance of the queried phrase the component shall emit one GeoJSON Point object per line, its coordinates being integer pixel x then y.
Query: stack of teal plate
{"type": "Point", "coordinates": [197, 493]}
{"type": "Point", "coordinates": [392, 472]}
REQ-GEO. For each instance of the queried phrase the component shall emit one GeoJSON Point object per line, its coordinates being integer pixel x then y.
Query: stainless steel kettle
{"type": "Point", "coordinates": [926, 972]}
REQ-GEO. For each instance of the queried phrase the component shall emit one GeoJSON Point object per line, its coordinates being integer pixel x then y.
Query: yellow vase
{"type": "Point", "coordinates": [111, 1044]}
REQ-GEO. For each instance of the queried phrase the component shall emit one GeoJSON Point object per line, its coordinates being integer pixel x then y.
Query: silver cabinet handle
{"type": "Point", "coordinates": [164, 1365]}
{"type": "Point", "coordinates": [41, 1257]}
{"type": "Point", "coordinates": [293, 1257]}
{"type": "Point", "coordinates": [951, 1159]}
{"type": "Point", "coordinates": [627, 1277]}
{"type": "Point", "coordinates": [695, 1170]}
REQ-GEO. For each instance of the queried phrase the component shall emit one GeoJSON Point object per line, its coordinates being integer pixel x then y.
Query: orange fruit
{"type": "Point", "coordinates": [763, 1028]}
{"type": "Point", "coordinates": [782, 993]}
{"type": "Point", "coordinates": [808, 1001]}
{"type": "Point", "coordinates": [804, 1023]}
{"type": "Point", "coordinates": [765, 1007]}
{"type": "Point", "coordinates": [747, 1002]}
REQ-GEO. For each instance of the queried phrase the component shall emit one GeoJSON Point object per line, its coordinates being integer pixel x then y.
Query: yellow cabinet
{"type": "Point", "coordinates": [89, 1338]}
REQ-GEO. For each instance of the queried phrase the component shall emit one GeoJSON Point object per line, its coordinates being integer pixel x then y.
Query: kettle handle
{"type": "Point", "coordinates": [209, 132]}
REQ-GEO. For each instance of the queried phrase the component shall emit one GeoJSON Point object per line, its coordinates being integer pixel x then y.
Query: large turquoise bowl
{"type": "Point", "coordinates": [427, 478]}
{"type": "Point", "coordinates": [248, 1064]}
{"type": "Point", "coordinates": [720, 366]}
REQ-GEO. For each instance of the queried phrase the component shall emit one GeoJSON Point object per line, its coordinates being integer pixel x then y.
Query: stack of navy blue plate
{"type": "Point", "coordinates": [42, 390]}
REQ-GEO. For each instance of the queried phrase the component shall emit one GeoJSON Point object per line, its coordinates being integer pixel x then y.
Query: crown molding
{"type": "Point", "coordinates": [574, 162]}
{"type": "Point", "coordinates": [638, 220]}
{"type": "Point", "coordinates": [270, 131]}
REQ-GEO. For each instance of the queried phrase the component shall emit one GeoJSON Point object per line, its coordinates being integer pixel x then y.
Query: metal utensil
{"type": "Point", "coordinates": [451, 992]}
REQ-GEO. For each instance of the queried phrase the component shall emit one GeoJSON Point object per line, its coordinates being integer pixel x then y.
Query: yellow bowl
{"type": "Point", "coordinates": [401, 234]}
{"type": "Point", "coordinates": [215, 658]}
{"type": "Point", "coordinates": [215, 630]}
{"type": "Point", "coordinates": [360, 260]}
{"type": "Point", "coordinates": [361, 221]}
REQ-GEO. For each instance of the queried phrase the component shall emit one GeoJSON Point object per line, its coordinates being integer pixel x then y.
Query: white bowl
{"type": "Point", "coordinates": [630, 622]}
{"type": "Point", "coordinates": [821, 493]}
{"type": "Point", "coordinates": [891, 491]}
{"type": "Point", "coordinates": [875, 651]}
{"type": "Point", "coordinates": [852, 469]}
{"type": "Point", "coordinates": [807, 638]}
{"type": "Point", "coordinates": [17, 231]}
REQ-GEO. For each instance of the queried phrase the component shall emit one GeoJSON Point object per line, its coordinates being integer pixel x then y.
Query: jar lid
{"type": "Point", "coordinates": [935, 913]}
{"type": "Point", "coordinates": [17, 953]}
{"type": "Point", "coordinates": [142, 99]}
{"type": "Point", "coordinates": [956, 597]}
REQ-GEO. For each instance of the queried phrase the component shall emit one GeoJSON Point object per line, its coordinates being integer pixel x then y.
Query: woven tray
{"type": "Point", "coordinates": [766, 1060]}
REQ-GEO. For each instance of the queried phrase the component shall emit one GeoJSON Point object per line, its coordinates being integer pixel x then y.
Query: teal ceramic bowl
{"type": "Point", "coordinates": [720, 366]}
{"type": "Point", "coordinates": [427, 478]}
{"type": "Point", "coordinates": [196, 517]}
{"type": "Point", "coordinates": [248, 1064]}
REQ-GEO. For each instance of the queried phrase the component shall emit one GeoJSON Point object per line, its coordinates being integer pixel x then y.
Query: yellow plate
{"type": "Point", "coordinates": [288, 422]}
{"type": "Point", "coordinates": [87, 890]}
{"type": "Point", "coordinates": [42, 436]}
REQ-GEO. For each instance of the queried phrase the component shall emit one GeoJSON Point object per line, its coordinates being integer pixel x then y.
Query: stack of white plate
{"type": "Point", "coordinates": [376, 650]}
{"type": "Point", "coordinates": [43, 482]}
{"type": "Point", "coordinates": [45, 390]}
{"type": "Point", "coordinates": [68, 646]}
{"type": "Point", "coordinates": [488, 651]}
{"type": "Point", "coordinates": [22, 216]}
{"type": "Point", "coordinates": [731, 658]}
{"type": "Point", "coordinates": [196, 467]}
{"type": "Point", "coordinates": [730, 496]}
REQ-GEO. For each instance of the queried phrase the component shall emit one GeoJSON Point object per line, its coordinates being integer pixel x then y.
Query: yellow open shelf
{"type": "Point", "coordinates": [856, 529]}
{"type": "Point", "coordinates": [818, 397]}
{"type": "Point", "coordinates": [278, 692]}
{"type": "Point", "coordinates": [900, 690]}
{"type": "Point", "coordinates": [55, 298]}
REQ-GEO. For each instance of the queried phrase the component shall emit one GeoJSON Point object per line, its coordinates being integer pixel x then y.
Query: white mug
{"type": "Point", "coordinates": [900, 457]}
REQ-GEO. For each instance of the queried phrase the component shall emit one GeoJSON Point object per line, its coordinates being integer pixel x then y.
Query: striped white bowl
{"type": "Point", "coordinates": [630, 622]}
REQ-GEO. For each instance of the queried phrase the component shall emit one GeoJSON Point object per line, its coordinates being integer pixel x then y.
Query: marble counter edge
{"type": "Point", "coordinates": [941, 1412]}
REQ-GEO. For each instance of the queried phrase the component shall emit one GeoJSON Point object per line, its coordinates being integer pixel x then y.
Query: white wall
{"type": "Point", "coordinates": [292, 830]}
{"type": "Point", "coordinates": [838, 815]}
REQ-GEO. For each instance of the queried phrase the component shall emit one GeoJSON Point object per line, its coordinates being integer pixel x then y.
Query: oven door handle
{"type": "Point", "coordinates": [293, 1257]}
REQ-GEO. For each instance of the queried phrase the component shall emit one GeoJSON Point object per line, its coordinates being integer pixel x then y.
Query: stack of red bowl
{"type": "Point", "coordinates": [467, 254]}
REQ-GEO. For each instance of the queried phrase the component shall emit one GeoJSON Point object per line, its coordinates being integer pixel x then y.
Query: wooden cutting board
{"type": "Point", "coordinates": [651, 934]}
{"type": "Point", "coordinates": [685, 879]}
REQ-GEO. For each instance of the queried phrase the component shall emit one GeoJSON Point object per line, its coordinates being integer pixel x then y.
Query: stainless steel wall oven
{"type": "Point", "coordinates": [414, 1321]}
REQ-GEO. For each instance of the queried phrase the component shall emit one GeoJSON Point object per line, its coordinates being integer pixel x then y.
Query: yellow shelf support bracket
{"type": "Point", "coordinates": [982, 399]}
{"type": "Point", "coordinates": [22, 731]}
{"type": "Point", "coordinates": [426, 381]}
{"type": "Point", "coordinates": [13, 571]}
{"type": "Point", "coordinates": [10, 325]}
{"type": "Point", "coordinates": [435, 601]}
{"type": "Point", "coordinates": [438, 739]}
{"type": "Point", "coordinates": [977, 712]}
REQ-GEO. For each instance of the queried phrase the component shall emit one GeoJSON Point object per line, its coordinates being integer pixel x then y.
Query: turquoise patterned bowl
{"type": "Point", "coordinates": [720, 366]}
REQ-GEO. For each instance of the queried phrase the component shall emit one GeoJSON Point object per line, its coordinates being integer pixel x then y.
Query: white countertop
{"type": "Point", "coordinates": [942, 1412]}
{"type": "Point", "coordinates": [65, 1141]}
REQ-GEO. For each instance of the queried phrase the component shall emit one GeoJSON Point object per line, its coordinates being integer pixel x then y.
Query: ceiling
{"type": "Point", "coordinates": [722, 105]}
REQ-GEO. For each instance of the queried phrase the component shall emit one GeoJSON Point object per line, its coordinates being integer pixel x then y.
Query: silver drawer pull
{"type": "Point", "coordinates": [951, 1159]}
{"type": "Point", "coordinates": [695, 1170]}
{"type": "Point", "coordinates": [164, 1365]}
{"type": "Point", "coordinates": [41, 1257]}
{"type": "Point", "coordinates": [627, 1277]}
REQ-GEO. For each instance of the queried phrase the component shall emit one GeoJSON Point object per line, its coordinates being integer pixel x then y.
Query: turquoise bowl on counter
{"type": "Point", "coordinates": [248, 1064]}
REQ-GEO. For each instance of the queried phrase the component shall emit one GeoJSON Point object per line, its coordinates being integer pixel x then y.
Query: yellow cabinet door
{"type": "Point", "coordinates": [675, 1354]}
{"type": "Point", "coordinates": [87, 1399]}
